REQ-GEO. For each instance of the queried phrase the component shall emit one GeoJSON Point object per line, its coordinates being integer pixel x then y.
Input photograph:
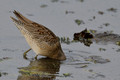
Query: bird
{"type": "Point", "coordinates": [41, 39]}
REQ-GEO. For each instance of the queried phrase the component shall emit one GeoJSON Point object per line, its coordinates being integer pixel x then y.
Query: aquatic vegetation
{"type": "Point", "coordinates": [100, 12]}
{"type": "Point", "coordinates": [97, 59]}
{"type": "Point", "coordinates": [4, 58]}
{"type": "Point", "coordinates": [92, 31]}
{"type": "Point", "coordinates": [65, 40]}
{"type": "Point", "coordinates": [106, 24]}
{"type": "Point", "coordinates": [3, 73]}
{"type": "Point", "coordinates": [118, 50]}
{"type": "Point", "coordinates": [79, 22]}
{"type": "Point", "coordinates": [118, 43]}
{"type": "Point", "coordinates": [80, 63]}
{"type": "Point", "coordinates": [102, 49]}
{"type": "Point", "coordinates": [82, 66]}
{"type": "Point", "coordinates": [84, 37]}
{"type": "Point", "coordinates": [69, 12]}
{"type": "Point", "coordinates": [67, 74]}
{"type": "Point", "coordinates": [85, 34]}
{"type": "Point", "coordinates": [106, 37]}
{"type": "Point", "coordinates": [95, 74]}
{"type": "Point", "coordinates": [87, 37]}
{"type": "Point", "coordinates": [43, 5]}
{"type": "Point", "coordinates": [112, 10]}
{"type": "Point", "coordinates": [9, 50]}
{"type": "Point", "coordinates": [34, 73]}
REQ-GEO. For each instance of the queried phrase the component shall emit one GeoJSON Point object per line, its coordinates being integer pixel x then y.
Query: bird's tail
{"type": "Point", "coordinates": [21, 17]}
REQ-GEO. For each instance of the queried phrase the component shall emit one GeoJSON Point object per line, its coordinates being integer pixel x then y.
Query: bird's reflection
{"type": "Point", "coordinates": [42, 69]}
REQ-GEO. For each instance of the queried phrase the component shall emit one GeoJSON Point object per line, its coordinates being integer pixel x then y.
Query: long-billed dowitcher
{"type": "Point", "coordinates": [41, 39]}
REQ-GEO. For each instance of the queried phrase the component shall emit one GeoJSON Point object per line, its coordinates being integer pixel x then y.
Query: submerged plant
{"type": "Point", "coordinates": [43, 5]}
{"type": "Point", "coordinates": [97, 59]}
{"type": "Point", "coordinates": [102, 49]}
{"type": "Point", "coordinates": [79, 22]}
{"type": "Point", "coordinates": [118, 43]}
{"type": "Point", "coordinates": [4, 58]}
{"type": "Point", "coordinates": [112, 9]}
{"type": "Point", "coordinates": [65, 40]}
{"type": "Point", "coordinates": [67, 74]}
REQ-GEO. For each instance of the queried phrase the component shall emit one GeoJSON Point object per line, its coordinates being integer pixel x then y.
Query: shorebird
{"type": "Point", "coordinates": [41, 39]}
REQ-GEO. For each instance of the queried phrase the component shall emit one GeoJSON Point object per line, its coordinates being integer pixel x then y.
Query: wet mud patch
{"type": "Point", "coordinates": [87, 37]}
{"type": "Point", "coordinates": [107, 37]}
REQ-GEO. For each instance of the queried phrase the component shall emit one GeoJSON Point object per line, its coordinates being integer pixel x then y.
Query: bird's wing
{"type": "Point", "coordinates": [41, 33]}
{"type": "Point", "coordinates": [36, 31]}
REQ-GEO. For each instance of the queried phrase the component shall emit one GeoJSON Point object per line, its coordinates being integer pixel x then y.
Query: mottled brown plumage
{"type": "Point", "coordinates": [41, 39]}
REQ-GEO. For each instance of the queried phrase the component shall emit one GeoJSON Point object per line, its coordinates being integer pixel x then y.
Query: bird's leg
{"type": "Point", "coordinates": [25, 53]}
{"type": "Point", "coordinates": [36, 57]}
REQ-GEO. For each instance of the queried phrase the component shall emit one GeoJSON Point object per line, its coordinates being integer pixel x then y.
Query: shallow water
{"type": "Point", "coordinates": [97, 62]}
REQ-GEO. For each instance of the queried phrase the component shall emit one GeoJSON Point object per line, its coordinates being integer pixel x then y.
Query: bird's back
{"type": "Point", "coordinates": [41, 39]}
